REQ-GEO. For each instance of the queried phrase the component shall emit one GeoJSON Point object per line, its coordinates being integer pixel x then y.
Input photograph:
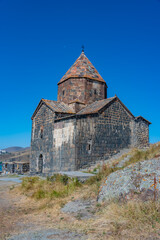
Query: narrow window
{"type": "Point", "coordinates": [95, 91]}
{"type": "Point", "coordinates": [89, 147]}
{"type": "Point", "coordinates": [41, 132]}
{"type": "Point", "coordinates": [63, 92]}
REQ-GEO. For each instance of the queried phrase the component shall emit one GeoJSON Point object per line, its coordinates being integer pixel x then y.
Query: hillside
{"type": "Point", "coordinates": [15, 149]}
{"type": "Point", "coordinates": [22, 155]}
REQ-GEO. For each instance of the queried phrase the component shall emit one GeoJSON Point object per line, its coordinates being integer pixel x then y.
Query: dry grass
{"type": "Point", "coordinates": [140, 155]}
{"type": "Point", "coordinates": [132, 220]}
{"type": "Point", "coordinates": [135, 214]}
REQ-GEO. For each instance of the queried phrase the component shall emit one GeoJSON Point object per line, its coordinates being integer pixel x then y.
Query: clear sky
{"type": "Point", "coordinates": [40, 40]}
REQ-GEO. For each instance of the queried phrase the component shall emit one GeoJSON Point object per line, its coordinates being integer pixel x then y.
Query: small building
{"type": "Point", "coordinates": [8, 167]}
{"type": "Point", "coordinates": [0, 167]}
{"type": "Point", "coordinates": [21, 167]}
{"type": "Point", "coordinates": [83, 125]}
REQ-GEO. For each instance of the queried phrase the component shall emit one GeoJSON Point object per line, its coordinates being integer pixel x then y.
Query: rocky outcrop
{"type": "Point", "coordinates": [137, 181]}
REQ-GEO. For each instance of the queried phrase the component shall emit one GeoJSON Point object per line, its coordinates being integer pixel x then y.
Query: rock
{"type": "Point", "coordinates": [123, 161]}
{"type": "Point", "coordinates": [79, 208]}
{"type": "Point", "coordinates": [133, 182]}
{"type": "Point", "coordinates": [44, 234]}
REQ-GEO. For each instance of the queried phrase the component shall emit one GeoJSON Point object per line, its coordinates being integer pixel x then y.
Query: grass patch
{"type": "Point", "coordinates": [132, 215]}
{"type": "Point", "coordinates": [57, 186]}
{"type": "Point", "coordinates": [141, 155]}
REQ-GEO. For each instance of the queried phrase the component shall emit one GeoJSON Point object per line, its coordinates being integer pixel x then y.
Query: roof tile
{"type": "Point", "coordinates": [96, 106]}
{"type": "Point", "coordinates": [82, 68]}
{"type": "Point", "coordinates": [58, 106]}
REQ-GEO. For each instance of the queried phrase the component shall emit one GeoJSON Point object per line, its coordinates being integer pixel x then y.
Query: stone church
{"type": "Point", "coordinates": [83, 125]}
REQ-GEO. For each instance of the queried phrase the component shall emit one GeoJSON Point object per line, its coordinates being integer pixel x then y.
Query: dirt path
{"type": "Point", "coordinates": [7, 209]}
{"type": "Point", "coordinates": [21, 219]}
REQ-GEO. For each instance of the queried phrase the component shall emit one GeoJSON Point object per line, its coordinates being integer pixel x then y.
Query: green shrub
{"type": "Point", "coordinates": [56, 186]}
{"type": "Point", "coordinates": [39, 194]}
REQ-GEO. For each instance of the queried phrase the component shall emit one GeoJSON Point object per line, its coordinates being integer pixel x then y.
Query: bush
{"type": "Point", "coordinates": [57, 186]}
{"type": "Point", "coordinates": [58, 178]}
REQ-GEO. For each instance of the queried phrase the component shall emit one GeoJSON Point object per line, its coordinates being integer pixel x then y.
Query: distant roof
{"type": "Point", "coordinates": [22, 162]}
{"type": "Point", "coordinates": [82, 68]}
{"type": "Point", "coordinates": [55, 106]}
{"type": "Point", "coordinates": [140, 117]}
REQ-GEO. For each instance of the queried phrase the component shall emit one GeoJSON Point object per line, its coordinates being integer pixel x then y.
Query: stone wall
{"type": "Point", "coordinates": [71, 89]}
{"type": "Point", "coordinates": [64, 145]}
{"type": "Point", "coordinates": [95, 91]}
{"type": "Point", "coordinates": [42, 139]}
{"type": "Point", "coordinates": [102, 134]}
{"type": "Point", "coordinates": [83, 89]}
{"type": "Point", "coordinates": [86, 140]}
{"type": "Point", "coordinates": [141, 133]}
{"type": "Point", "coordinates": [53, 141]}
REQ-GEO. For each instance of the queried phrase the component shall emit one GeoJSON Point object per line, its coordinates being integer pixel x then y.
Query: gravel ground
{"type": "Point", "coordinates": [54, 234]}
{"type": "Point", "coordinates": [136, 178]}
{"type": "Point", "coordinates": [15, 180]}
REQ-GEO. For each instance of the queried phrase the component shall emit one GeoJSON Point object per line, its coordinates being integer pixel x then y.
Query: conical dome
{"type": "Point", "coordinates": [82, 84]}
{"type": "Point", "coordinates": [82, 68]}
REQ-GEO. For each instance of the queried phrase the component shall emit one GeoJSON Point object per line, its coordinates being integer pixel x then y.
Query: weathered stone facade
{"type": "Point", "coordinates": [84, 90]}
{"type": "Point", "coordinates": [83, 125]}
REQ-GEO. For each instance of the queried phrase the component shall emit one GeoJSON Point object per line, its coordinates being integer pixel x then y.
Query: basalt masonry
{"type": "Point", "coordinates": [80, 89]}
{"type": "Point", "coordinates": [103, 133]}
{"type": "Point", "coordinates": [141, 133]}
{"type": "Point", "coordinates": [42, 141]}
{"type": "Point", "coordinates": [84, 125]}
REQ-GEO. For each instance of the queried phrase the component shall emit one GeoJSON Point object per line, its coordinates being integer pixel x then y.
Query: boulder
{"type": "Point", "coordinates": [137, 181]}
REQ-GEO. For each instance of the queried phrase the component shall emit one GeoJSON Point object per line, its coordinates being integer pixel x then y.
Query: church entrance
{"type": "Point", "coordinates": [40, 164]}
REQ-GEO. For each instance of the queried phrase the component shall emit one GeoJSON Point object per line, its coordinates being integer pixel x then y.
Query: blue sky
{"type": "Point", "coordinates": [40, 40]}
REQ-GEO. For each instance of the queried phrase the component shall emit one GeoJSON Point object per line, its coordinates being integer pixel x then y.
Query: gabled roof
{"type": "Point", "coordinates": [58, 107]}
{"type": "Point", "coordinates": [82, 68]}
{"type": "Point", "coordinates": [140, 117]}
{"type": "Point", "coordinates": [98, 106]}
{"type": "Point", "coordinates": [95, 106]}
